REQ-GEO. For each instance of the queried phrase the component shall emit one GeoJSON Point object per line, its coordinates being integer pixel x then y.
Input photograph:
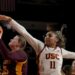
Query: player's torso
{"type": "Point", "coordinates": [50, 61]}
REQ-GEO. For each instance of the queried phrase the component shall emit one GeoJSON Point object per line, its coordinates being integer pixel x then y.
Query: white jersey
{"type": "Point", "coordinates": [50, 60]}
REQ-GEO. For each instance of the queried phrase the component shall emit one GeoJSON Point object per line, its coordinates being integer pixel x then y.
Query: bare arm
{"type": "Point", "coordinates": [36, 44]}
{"type": "Point", "coordinates": [68, 54]}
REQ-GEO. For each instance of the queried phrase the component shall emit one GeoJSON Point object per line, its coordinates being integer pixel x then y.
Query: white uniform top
{"type": "Point", "coordinates": [50, 59]}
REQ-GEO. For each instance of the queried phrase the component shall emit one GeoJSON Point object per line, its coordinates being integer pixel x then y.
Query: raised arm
{"type": "Point", "coordinates": [36, 44]}
{"type": "Point", "coordinates": [68, 54]}
{"type": "Point", "coordinates": [3, 50]}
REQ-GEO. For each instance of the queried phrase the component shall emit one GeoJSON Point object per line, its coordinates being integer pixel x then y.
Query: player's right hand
{"type": "Point", "coordinates": [5, 18]}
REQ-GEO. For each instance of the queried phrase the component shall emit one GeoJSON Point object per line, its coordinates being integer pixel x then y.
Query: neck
{"type": "Point", "coordinates": [52, 45]}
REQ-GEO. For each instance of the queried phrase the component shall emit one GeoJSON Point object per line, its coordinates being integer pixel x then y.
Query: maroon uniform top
{"type": "Point", "coordinates": [19, 57]}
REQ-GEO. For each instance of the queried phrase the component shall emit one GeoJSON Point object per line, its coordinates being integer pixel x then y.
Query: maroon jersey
{"type": "Point", "coordinates": [19, 57]}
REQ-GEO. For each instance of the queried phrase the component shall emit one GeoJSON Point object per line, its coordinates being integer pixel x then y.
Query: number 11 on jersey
{"type": "Point", "coordinates": [52, 64]}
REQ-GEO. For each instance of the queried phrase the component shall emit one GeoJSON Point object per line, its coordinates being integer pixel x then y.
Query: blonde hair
{"type": "Point", "coordinates": [22, 41]}
{"type": "Point", "coordinates": [61, 39]}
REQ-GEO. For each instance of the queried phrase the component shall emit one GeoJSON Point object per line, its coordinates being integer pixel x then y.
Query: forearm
{"type": "Point", "coordinates": [22, 31]}
{"type": "Point", "coordinates": [69, 55]}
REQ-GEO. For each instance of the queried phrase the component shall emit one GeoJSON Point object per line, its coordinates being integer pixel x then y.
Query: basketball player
{"type": "Point", "coordinates": [51, 52]}
{"type": "Point", "coordinates": [16, 55]}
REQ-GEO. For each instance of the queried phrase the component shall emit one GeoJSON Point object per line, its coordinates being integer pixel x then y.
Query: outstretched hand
{"type": "Point", "coordinates": [1, 32]}
{"type": "Point", "coordinates": [5, 18]}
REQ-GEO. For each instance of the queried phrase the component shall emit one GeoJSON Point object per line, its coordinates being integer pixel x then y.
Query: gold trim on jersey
{"type": "Point", "coordinates": [19, 67]}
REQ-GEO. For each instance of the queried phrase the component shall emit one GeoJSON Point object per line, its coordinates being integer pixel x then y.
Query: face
{"type": "Point", "coordinates": [50, 38]}
{"type": "Point", "coordinates": [14, 42]}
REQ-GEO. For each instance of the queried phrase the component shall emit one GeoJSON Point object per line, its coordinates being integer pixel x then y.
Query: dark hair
{"type": "Point", "coordinates": [67, 69]}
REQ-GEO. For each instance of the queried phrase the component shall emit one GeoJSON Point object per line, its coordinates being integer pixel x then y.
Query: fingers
{"type": "Point", "coordinates": [2, 17]}
{"type": "Point", "coordinates": [5, 18]}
